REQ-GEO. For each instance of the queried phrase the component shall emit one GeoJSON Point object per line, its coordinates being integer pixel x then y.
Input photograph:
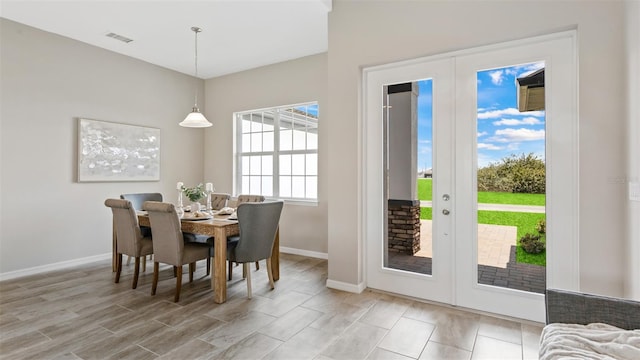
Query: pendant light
{"type": "Point", "coordinates": [195, 119]}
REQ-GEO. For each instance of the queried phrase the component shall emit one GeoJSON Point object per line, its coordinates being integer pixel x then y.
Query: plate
{"type": "Point", "coordinates": [190, 217]}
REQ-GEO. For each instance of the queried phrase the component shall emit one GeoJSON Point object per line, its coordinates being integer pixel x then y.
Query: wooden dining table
{"type": "Point", "coordinates": [220, 227]}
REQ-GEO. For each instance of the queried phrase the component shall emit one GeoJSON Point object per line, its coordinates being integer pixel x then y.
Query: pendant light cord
{"type": "Point", "coordinates": [196, 30]}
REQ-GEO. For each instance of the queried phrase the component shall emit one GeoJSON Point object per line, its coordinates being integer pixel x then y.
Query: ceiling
{"type": "Point", "coordinates": [236, 34]}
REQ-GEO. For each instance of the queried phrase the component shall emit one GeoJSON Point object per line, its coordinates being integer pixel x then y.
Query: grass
{"type": "Point", "coordinates": [525, 222]}
{"type": "Point", "coordinates": [487, 197]}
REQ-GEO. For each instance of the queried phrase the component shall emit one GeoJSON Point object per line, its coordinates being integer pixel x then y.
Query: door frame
{"type": "Point", "coordinates": [562, 153]}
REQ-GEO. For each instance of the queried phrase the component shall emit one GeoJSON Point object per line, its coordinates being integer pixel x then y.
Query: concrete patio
{"type": "Point", "coordinates": [497, 264]}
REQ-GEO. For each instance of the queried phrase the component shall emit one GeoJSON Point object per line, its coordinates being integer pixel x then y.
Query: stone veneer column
{"type": "Point", "coordinates": [404, 226]}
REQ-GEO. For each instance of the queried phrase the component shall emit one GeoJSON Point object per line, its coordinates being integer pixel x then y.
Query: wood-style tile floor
{"type": "Point", "coordinates": [80, 313]}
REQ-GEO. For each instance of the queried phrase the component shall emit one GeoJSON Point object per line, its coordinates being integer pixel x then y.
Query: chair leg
{"type": "Point", "coordinates": [270, 273]}
{"type": "Point", "coordinates": [128, 260]}
{"type": "Point", "coordinates": [230, 269]}
{"type": "Point", "coordinates": [175, 271]}
{"type": "Point", "coordinates": [118, 267]}
{"type": "Point", "coordinates": [144, 264]}
{"type": "Point", "coordinates": [154, 284]}
{"type": "Point", "coordinates": [136, 273]}
{"type": "Point", "coordinates": [192, 268]}
{"type": "Point", "coordinates": [208, 265]}
{"type": "Point", "coordinates": [245, 269]}
{"type": "Point", "coordinates": [178, 284]}
{"type": "Point", "coordinates": [257, 265]}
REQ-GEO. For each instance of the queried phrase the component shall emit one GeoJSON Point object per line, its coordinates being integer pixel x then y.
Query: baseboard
{"type": "Point", "coordinates": [51, 267]}
{"type": "Point", "coordinates": [339, 285]}
{"type": "Point", "coordinates": [313, 254]}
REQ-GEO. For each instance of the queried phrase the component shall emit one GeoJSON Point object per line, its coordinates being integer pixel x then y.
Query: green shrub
{"type": "Point", "coordinates": [541, 226]}
{"type": "Point", "coordinates": [532, 243]}
{"type": "Point", "coordinates": [516, 174]}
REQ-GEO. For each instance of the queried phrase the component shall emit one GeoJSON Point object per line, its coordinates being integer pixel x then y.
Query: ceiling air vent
{"type": "Point", "coordinates": [119, 37]}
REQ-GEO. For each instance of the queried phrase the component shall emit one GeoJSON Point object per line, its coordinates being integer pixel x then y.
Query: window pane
{"type": "Point", "coordinates": [312, 187]}
{"type": "Point", "coordinates": [255, 168]}
{"type": "Point", "coordinates": [256, 124]}
{"type": "Point", "coordinates": [267, 186]}
{"type": "Point", "coordinates": [267, 141]}
{"type": "Point", "coordinates": [268, 125]}
{"type": "Point", "coordinates": [312, 141]}
{"type": "Point", "coordinates": [256, 142]}
{"type": "Point", "coordinates": [245, 165]}
{"type": "Point", "coordinates": [246, 142]}
{"type": "Point", "coordinates": [299, 142]}
{"type": "Point", "coordinates": [246, 124]}
{"type": "Point", "coordinates": [267, 165]}
{"type": "Point", "coordinates": [285, 186]}
{"type": "Point", "coordinates": [312, 164]}
{"type": "Point", "coordinates": [285, 140]}
{"type": "Point", "coordinates": [245, 184]}
{"type": "Point", "coordinates": [297, 186]}
{"type": "Point", "coordinates": [285, 164]}
{"type": "Point", "coordinates": [254, 185]}
{"type": "Point", "coordinates": [297, 164]}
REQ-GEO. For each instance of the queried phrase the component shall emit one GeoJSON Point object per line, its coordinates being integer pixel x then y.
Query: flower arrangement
{"type": "Point", "coordinates": [195, 193]}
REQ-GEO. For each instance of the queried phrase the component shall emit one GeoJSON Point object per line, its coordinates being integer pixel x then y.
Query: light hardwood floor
{"type": "Point", "coordinates": [80, 313]}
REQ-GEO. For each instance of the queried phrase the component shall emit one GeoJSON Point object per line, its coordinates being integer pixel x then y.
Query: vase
{"type": "Point", "coordinates": [195, 207]}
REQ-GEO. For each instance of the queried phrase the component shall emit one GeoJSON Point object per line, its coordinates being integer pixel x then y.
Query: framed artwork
{"type": "Point", "coordinates": [117, 152]}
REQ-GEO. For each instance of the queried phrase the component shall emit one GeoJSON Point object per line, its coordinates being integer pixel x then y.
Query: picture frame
{"type": "Point", "coordinates": [109, 151]}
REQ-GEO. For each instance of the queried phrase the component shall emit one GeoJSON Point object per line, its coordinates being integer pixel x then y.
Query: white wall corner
{"type": "Point", "coordinates": [301, 252]}
{"type": "Point", "coordinates": [339, 285]}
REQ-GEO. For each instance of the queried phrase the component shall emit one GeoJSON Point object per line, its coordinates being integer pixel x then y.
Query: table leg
{"type": "Point", "coordinates": [219, 266]}
{"type": "Point", "coordinates": [275, 257]}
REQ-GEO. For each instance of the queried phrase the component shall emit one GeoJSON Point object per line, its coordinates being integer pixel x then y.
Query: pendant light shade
{"type": "Point", "coordinates": [195, 119]}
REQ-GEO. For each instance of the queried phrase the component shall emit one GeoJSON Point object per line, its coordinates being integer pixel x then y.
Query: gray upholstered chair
{"type": "Point", "coordinates": [130, 240]}
{"type": "Point", "coordinates": [258, 223]}
{"type": "Point", "coordinates": [218, 200]}
{"type": "Point", "coordinates": [137, 200]}
{"type": "Point", "coordinates": [241, 200]}
{"type": "Point", "coordinates": [249, 198]}
{"type": "Point", "coordinates": [169, 245]}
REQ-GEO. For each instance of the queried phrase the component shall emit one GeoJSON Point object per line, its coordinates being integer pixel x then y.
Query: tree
{"type": "Point", "coordinates": [517, 174]}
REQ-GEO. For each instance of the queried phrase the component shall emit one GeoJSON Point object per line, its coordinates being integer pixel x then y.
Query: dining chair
{"type": "Point", "coordinates": [137, 200]}
{"type": "Point", "coordinates": [258, 224]}
{"type": "Point", "coordinates": [244, 198]}
{"type": "Point", "coordinates": [219, 200]}
{"type": "Point", "coordinates": [170, 245]}
{"type": "Point", "coordinates": [129, 238]}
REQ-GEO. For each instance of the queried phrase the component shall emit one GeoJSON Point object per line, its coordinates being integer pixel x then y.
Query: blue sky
{"type": "Point", "coordinates": [502, 129]}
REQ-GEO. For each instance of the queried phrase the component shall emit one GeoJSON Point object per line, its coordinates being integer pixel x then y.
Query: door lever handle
{"type": "Point", "coordinates": [445, 211]}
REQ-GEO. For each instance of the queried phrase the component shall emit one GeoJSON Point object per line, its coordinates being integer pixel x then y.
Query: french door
{"type": "Point", "coordinates": [446, 268]}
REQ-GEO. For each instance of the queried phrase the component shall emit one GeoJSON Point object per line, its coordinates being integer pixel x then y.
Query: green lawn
{"type": "Point", "coordinates": [486, 197]}
{"type": "Point", "coordinates": [526, 222]}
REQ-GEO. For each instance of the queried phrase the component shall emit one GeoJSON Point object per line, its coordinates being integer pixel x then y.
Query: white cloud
{"type": "Point", "coordinates": [517, 135]}
{"type": "Point", "coordinates": [530, 68]}
{"type": "Point", "coordinates": [488, 146]}
{"type": "Point", "coordinates": [483, 133]}
{"type": "Point", "coordinates": [513, 122]}
{"type": "Point", "coordinates": [494, 114]}
{"type": "Point", "coordinates": [496, 77]}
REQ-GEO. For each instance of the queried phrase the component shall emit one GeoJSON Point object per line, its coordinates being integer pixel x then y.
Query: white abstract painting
{"type": "Point", "coordinates": [117, 152]}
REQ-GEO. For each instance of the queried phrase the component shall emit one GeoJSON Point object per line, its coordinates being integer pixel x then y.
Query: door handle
{"type": "Point", "coordinates": [445, 211]}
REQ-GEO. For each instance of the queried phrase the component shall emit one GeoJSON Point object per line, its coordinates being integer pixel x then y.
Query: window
{"type": "Point", "coordinates": [277, 152]}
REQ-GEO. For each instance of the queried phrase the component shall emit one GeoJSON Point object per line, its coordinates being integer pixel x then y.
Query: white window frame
{"type": "Point", "coordinates": [275, 154]}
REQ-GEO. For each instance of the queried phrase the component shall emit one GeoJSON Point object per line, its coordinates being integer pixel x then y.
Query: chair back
{"type": "Point", "coordinates": [258, 223]}
{"type": "Point", "coordinates": [218, 201]}
{"type": "Point", "coordinates": [125, 222]}
{"type": "Point", "coordinates": [249, 198]}
{"type": "Point", "coordinates": [138, 199]}
{"type": "Point", "coordinates": [168, 244]}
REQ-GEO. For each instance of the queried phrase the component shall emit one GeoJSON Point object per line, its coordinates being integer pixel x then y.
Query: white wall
{"type": "Point", "coordinates": [370, 33]}
{"type": "Point", "coordinates": [47, 82]}
{"type": "Point", "coordinates": [632, 11]}
{"type": "Point", "coordinates": [302, 227]}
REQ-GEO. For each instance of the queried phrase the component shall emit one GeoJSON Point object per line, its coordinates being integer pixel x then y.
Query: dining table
{"type": "Point", "coordinates": [220, 227]}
